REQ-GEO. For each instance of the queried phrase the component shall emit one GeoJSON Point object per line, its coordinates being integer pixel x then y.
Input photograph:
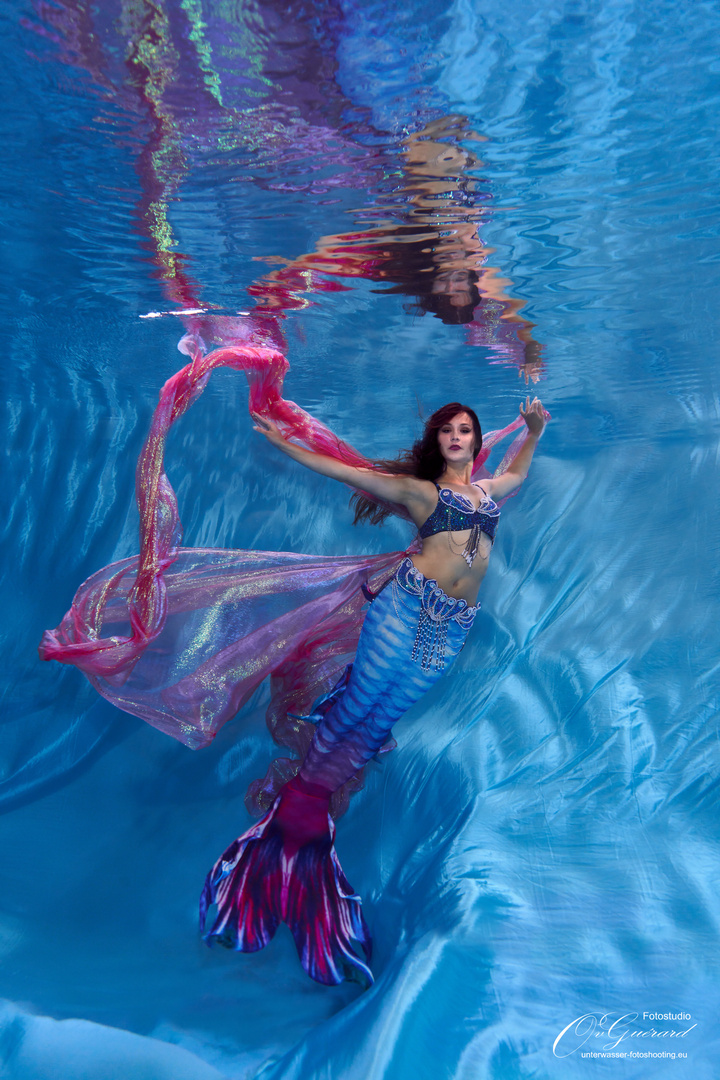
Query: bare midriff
{"type": "Point", "coordinates": [441, 559]}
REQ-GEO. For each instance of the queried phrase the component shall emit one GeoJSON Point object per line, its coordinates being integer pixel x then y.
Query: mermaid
{"type": "Point", "coordinates": [183, 636]}
{"type": "Point", "coordinates": [285, 868]}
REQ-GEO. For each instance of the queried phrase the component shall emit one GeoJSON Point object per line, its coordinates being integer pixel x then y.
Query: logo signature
{"type": "Point", "coordinates": [612, 1033]}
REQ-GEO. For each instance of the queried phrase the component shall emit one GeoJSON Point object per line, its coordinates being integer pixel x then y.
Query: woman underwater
{"type": "Point", "coordinates": [182, 637]}
{"type": "Point", "coordinates": [285, 868]}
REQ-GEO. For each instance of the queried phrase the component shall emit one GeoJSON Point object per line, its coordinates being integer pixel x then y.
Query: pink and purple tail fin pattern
{"type": "Point", "coordinates": [274, 873]}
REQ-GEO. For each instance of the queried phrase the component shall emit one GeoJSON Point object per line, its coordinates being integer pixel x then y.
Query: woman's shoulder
{"type": "Point", "coordinates": [424, 489]}
{"type": "Point", "coordinates": [412, 492]}
{"type": "Point", "coordinates": [422, 493]}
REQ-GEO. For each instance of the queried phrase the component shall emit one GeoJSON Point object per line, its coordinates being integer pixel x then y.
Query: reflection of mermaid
{"type": "Point", "coordinates": [421, 240]}
{"type": "Point", "coordinates": [285, 868]}
{"type": "Point", "coordinates": [420, 237]}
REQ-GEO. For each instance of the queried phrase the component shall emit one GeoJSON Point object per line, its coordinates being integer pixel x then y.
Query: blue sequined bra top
{"type": "Point", "coordinates": [455, 512]}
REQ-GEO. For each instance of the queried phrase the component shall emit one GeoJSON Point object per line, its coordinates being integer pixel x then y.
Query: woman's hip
{"type": "Point", "coordinates": [414, 621]}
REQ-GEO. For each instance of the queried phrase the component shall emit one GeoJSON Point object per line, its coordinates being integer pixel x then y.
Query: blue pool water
{"type": "Point", "coordinates": [544, 843]}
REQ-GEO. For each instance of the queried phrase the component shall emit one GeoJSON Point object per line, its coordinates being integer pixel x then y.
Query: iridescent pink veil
{"type": "Point", "coordinates": [181, 637]}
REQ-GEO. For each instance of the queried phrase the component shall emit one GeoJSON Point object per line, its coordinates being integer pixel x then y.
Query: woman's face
{"type": "Point", "coordinates": [456, 440]}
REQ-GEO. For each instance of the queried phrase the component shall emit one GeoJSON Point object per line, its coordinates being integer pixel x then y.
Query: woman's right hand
{"type": "Point", "coordinates": [268, 428]}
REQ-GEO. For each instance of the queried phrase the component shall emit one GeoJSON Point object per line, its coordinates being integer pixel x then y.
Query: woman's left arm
{"type": "Point", "coordinates": [500, 486]}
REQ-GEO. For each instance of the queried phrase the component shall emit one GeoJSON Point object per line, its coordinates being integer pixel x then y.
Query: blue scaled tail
{"type": "Point", "coordinates": [284, 869]}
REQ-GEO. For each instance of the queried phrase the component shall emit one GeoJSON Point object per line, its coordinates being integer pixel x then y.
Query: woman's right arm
{"type": "Point", "coordinates": [406, 490]}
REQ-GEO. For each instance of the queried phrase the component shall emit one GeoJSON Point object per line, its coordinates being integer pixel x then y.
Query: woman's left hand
{"type": "Point", "coordinates": [534, 415]}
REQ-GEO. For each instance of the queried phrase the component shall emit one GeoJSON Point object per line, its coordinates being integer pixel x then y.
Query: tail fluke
{"type": "Point", "coordinates": [325, 916]}
{"type": "Point", "coordinates": [245, 885]}
{"type": "Point", "coordinates": [285, 869]}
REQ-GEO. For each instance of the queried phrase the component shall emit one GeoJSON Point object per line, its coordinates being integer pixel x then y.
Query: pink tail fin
{"type": "Point", "coordinates": [265, 877]}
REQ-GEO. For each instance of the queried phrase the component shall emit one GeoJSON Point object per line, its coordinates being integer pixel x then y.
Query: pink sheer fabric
{"type": "Point", "coordinates": [181, 637]}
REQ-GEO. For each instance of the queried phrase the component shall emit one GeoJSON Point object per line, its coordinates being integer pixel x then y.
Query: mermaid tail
{"type": "Point", "coordinates": [285, 869]}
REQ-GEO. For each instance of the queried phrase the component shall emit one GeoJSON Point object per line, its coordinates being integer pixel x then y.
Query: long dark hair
{"type": "Point", "coordinates": [424, 460]}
